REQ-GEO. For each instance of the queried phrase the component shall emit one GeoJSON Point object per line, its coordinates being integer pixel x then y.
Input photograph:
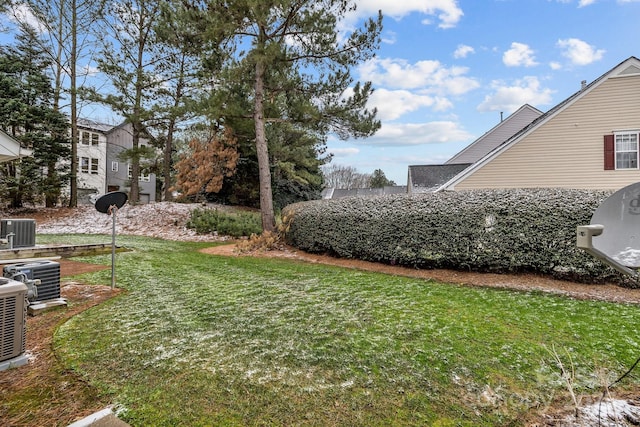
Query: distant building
{"type": "Point", "coordinates": [339, 193]}
{"type": "Point", "coordinates": [100, 168]}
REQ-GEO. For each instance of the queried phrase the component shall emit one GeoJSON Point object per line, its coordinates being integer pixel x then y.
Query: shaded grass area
{"type": "Point", "coordinates": [200, 340]}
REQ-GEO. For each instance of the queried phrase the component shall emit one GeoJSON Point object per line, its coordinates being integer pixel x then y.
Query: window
{"type": "Point", "coordinates": [145, 176]}
{"type": "Point", "coordinates": [114, 166]}
{"type": "Point", "coordinates": [621, 150]}
{"type": "Point", "coordinates": [84, 164]}
{"type": "Point", "coordinates": [626, 150]}
{"type": "Point", "coordinates": [94, 166]}
{"type": "Point", "coordinates": [95, 138]}
{"type": "Point", "coordinates": [84, 138]}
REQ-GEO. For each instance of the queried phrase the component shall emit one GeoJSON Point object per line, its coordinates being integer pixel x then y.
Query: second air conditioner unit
{"type": "Point", "coordinates": [48, 272]}
{"type": "Point", "coordinates": [21, 232]}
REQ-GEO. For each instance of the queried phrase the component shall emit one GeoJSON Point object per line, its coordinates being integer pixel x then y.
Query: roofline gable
{"type": "Point", "coordinates": [625, 68]}
{"type": "Point", "coordinates": [513, 116]}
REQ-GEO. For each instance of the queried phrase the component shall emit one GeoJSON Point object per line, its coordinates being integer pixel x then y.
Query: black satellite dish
{"type": "Point", "coordinates": [109, 204]}
{"type": "Point", "coordinates": [106, 202]}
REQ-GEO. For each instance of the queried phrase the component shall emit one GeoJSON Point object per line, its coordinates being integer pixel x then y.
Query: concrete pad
{"type": "Point", "coordinates": [39, 307]}
{"type": "Point", "coordinates": [21, 360]}
{"type": "Point", "coordinates": [104, 418]}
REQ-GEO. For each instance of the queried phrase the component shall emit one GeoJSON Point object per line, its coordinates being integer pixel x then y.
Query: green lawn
{"type": "Point", "coordinates": [207, 340]}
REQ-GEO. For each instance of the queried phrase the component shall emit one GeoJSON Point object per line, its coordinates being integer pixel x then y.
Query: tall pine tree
{"type": "Point", "coordinates": [28, 113]}
{"type": "Point", "coordinates": [291, 51]}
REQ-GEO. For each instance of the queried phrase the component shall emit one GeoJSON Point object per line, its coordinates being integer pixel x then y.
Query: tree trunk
{"type": "Point", "coordinates": [166, 167]}
{"type": "Point", "coordinates": [73, 185]}
{"type": "Point", "coordinates": [134, 189]}
{"type": "Point", "coordinates": [262, 151]}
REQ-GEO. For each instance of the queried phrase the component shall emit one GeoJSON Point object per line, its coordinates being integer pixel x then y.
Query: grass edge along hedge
{"type": "Point", "coordinates": [503, 231]}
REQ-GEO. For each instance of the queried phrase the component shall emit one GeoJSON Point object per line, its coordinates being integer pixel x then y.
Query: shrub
{"type": "Point", "coordinates": [483, 230]}
{"type": "Point", "coordinates": [229, 224]}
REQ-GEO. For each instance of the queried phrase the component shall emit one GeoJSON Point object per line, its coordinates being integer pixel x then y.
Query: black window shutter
{"type": "Point", "coordinates": [609, 153]}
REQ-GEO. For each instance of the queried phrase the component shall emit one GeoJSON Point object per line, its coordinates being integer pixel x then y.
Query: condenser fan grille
{"type": "Point", "coordinates": [8, 325]}
{"type": "Point", "coordinates": [13, 314]}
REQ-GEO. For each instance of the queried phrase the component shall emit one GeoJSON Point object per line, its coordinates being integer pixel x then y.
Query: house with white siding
{"type": "Point", "coordinates": [588, 141]}
{"type": "Point", "coordinates": [100, 166]}
{"type": "Point", "coordinates": [10, 149]}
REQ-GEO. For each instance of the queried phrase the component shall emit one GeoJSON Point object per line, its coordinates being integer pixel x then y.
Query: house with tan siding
{"type": "Point", "coordinates": [588, 141]}
{"type": "Point", "coordinates": [496, 135]}
{"type": "Point", "coordinates": [428, 178]}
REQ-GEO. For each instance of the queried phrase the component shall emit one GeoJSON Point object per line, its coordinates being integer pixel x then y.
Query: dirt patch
{"type": "Point", "coordinates": [42, 392]}
{"type": "Point", "coordinates": [69, 267]}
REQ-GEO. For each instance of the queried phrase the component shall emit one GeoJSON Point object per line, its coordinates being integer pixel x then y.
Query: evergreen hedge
{"type": "Point", "coordinates": [508, 231]}
{"type": "Point", "coordinates": [240, 224]}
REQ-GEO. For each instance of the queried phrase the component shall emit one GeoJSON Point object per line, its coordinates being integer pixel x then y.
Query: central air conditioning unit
{"type": "Point", "coordinates": [13, 315]}
{"type": "Point", "coordinates": [19, 232]}
{"type": "Point", "coordinates": [47, 272]}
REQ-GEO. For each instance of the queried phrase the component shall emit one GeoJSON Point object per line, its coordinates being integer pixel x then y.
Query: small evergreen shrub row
{"type": "Point", "coordinates": [511, 231]}
{"type": "Point", "coordinates": [240, 224]}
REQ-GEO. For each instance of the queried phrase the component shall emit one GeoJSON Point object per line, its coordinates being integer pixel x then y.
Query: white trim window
{"type": "Point", "coordinates": [88, 138]}
{"type": "Point", "coordinates": [114, 166]}
{"type": "Point", "coordinates": [84, 164]}
{"type": "Point", "coordinates": [626, 144]}
{"type": "Point", "coordinates": [94, 166]}
{"type": "Point", "coordinates": [145, 176]}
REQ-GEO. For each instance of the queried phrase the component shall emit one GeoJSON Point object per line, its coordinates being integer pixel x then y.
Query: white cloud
{"type": "Point", "coordinates": [520, 55]}
{"type": "Point", "coordinates": [430, 76]}
{"type": "Point", "coordinates": [389, 37]}
{"type": "Point", "coordinates": [555, 65]}
{"type": "Point", "coordinates": [392, 104]}
{"type": "Point", "coordinates": [21, 12]}
{"type": "Point", "coordinates": [88, 70]}
{"type": "Point", "coordinates": [583, 3]}
{"type": "Point", "coordinates": [343, 152]}
{"type": "Point", "coordinates": [509, 98]}
{"type": "Point", "coordinates": [579, 52]}
{"type": "Point", "coordinates": [411, 134]}
{"type": "Point", "coordinates": [463, 51]}
{"type": "Point", "coordinates": [447, 12]}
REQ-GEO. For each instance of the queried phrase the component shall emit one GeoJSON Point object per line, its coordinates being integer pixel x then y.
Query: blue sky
{"type": "Point", "coordinates": [446, 70]}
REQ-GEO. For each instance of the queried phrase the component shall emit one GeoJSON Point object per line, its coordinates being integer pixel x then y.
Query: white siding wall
{"type": "Point", "coordinates": [91, 181]}
{"type": "Point", "coordinates": [567, 151]}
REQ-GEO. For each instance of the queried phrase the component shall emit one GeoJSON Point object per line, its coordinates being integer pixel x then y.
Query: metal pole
{"type": "Point", "coordinates": [113, 209]}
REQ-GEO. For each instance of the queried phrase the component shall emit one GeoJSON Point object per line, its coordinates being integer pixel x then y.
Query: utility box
{"type": "Point", "coordinates": [48, 272]}
{"type": "Point", "coordinates": [13, 312]}
{"type": "Point", "coordinates": [20, 232]}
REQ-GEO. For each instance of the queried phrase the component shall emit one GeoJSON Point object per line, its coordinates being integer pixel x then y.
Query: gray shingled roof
{"type": "Point", "coordinates": [425, 178]}
{"type": "Point", "coordinates": [339, 193]}
{"type": "Point", "coordinates": [92, 125]}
